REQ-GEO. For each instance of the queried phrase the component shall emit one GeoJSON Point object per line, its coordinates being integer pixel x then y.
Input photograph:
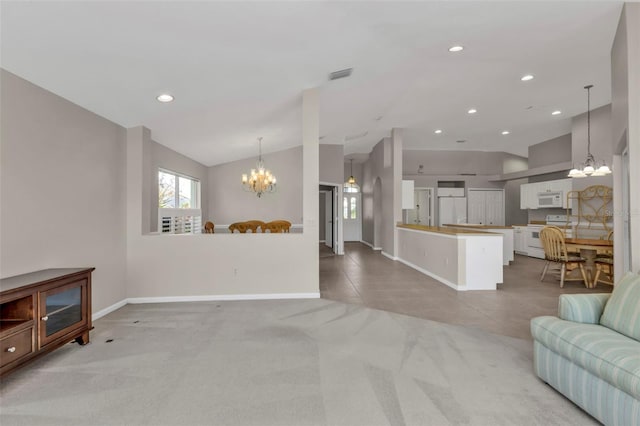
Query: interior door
{"type": "Point", "coordinates": [476, 207]}
{"type": "Point", "coordinates": [494, 208]}
{"type": "Point", "coordinates": [328, 215]}
{"type": "Point", "coordinates": [352, 216]}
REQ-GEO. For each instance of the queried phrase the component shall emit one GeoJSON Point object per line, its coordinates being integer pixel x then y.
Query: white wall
{"type": "Point", "coordinates": [229, 203]}
{"type": "Point", "coordinates": [62, 189]}
{"type": "Point", "coordinates": [225, 264]}
{"type": "Point", "coordinates": [166, 158]}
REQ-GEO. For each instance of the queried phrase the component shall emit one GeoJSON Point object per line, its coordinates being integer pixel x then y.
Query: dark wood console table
{"type": "Point", "coordinates": [42, 311]}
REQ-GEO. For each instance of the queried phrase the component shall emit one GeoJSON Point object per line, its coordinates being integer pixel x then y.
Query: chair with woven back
{"type": "Point", "coordinates": [241, 227]}
{"type": "Point", "coordinates": [555, 250]}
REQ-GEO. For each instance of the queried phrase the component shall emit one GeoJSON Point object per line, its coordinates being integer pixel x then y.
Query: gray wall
{"type": "Point", "coordinates": [62, 189]}
{"type": "Point", "coordinates": [384, 163]}
{"type": "Point", "coordinates": [331, 161]}
{"type": "Point", "coordinates": [513, 214]}
{"type": "Point", "coordinates": [600, 143]}
{"type": "Point", "coordinates": [552, 151]}
{"type": "Point", "coordinates": [166, 158]}
{"type": "Point", "coordinates": [228, 202]}
{"type": "Point", "coordinates": [625, 121]}
{"type": "Point", "coordinates": [453, 162]}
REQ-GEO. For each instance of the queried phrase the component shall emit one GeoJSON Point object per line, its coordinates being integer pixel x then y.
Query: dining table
{"type": "Point", "coordinates": [589, 250]}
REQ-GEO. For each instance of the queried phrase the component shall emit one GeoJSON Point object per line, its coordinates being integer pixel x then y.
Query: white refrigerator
{"type": "Point", "coordinates": [452, 210]}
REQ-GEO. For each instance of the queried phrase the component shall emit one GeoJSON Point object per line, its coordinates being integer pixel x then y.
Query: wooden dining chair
{"type": "Point", "coordinates": [209, 227]}
{"type": "Point", "coordinates": [277, 226]}
{"type": "Point", "coordinates": [604, 271]}
{"type": "Point", "coordinates": [255, 225]}
{"type": "Point", "coordinates": [241, 227]}
{"type": "Point", "coordinates": [555, 250]}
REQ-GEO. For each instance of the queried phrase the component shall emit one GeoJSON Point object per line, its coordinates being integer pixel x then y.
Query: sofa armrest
{"type": "Point", "coordinates": [584, 308]}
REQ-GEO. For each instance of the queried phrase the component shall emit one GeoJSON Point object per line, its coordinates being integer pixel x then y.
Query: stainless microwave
{"type": "Point", "coordinates": [550, 199]}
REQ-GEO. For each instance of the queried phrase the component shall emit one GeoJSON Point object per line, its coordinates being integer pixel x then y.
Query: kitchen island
{"type": "Point", "coordinates": [506, 231]}
{"type": "Point", "coordinates": [463, 259]}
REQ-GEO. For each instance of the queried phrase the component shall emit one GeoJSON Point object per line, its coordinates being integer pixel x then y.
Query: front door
{"type": "Point", "coordinates": [352, 216]}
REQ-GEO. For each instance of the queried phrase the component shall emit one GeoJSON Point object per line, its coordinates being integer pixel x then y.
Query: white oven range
{"type": "Point", "coordinates": [534, 245]}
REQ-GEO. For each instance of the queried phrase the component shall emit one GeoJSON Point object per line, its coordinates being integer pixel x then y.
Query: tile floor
{"type": "Point", "coordinates": [365, 277]}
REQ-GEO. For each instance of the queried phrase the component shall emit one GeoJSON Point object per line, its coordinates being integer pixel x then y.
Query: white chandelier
{"type": "Point", "coordinates": [260, 180]}
{"type": "Point", "coordinates": [590, 167]}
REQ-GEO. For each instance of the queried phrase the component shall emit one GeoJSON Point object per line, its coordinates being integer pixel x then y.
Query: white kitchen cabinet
{"type": "Point", "coordinates": [529, 192]}
{"type": "Point", "coordinates": [520, 239]}
{"type": "Point", "coordinates": [450, 192]}
{"type": "Point", "coordinates": [485, 206]}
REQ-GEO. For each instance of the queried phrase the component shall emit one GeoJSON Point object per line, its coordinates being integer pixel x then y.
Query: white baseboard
{"type": "Point", "coordinates": [223, 297]}
{"type": "Point", "coordinates": [212, 298]}
{"type": "Point", "coordinates": [322, 241]}
{"type": "Point", "coordinates": [434, 276]}
{"type": "Point", "coordinates": [370, 245]}
{"type": "Point", "coordinates": [385, 254]}
{"type": "Point", "coordinates": [108, 310]}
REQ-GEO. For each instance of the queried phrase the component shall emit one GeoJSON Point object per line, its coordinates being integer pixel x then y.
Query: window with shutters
{"type": "Point", "coordinates": [178, 203]}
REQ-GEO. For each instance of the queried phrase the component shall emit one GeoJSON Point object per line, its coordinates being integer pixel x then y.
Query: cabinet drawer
{"type": "Point", "coordinates": [16, 346]}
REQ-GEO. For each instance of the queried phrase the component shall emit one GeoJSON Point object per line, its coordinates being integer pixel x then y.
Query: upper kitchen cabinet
{"type": "Point", "coordinates": [485, 206]}
{"type": "Point", "coordinates": [529, 192]}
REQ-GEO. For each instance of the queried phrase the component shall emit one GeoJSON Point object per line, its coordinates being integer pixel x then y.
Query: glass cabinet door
{"type": "Point", "coordinates": [61, 310]}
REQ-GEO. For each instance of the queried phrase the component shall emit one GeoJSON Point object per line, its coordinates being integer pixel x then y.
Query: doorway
{"type": "Point", "coordinates": [330, 228]}
{"type": "Point", "coordinates": [352, 216]}
{"type": "Point", "coordinates": [423, 212]}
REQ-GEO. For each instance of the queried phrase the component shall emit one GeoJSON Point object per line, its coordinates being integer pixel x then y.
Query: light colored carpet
{"type": "Point", "coordinates": [296, 362]}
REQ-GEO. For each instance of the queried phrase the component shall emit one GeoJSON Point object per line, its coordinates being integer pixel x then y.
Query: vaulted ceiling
{"type": "Point", "coordinates": [237, 69]}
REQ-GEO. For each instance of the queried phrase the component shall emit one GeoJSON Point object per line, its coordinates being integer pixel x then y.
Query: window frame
{"type": "Point", "coordinates": [195, 196]}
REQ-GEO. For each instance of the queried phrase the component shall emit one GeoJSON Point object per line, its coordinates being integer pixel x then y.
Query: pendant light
{"type": "Point", "coordinates": [350, 185]}
{"type": "Point", "coordinates": [590, 167]}
{"type": "Point", "coordinates": [260, 180]}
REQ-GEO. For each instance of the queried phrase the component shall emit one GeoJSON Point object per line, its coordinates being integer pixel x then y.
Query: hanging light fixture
{"type": "Point", "coordinates": [260, 180]}
{"type": "Point", "coordinates": [350, 185]}
{"type": "Point", "coordinates": [590, 167]}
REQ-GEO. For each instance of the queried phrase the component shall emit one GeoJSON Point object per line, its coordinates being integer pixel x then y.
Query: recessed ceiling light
{"type": "Point", "coordinates": [556, 112]}
{"type": "Point", "coordinates": [472, 111]}
{"type": "Point", "coordinates": [526, 77]}
{"type": "Point", "coordinates": [456, 49]}
{"type": "Point", "coordinates": [437, 132]}
{"type": "Point", "coordinates": [505, 132]}
{"type": "Point", "coordinates": [165, 97]}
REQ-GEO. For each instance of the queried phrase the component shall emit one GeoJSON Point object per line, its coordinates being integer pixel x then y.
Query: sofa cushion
{"type": "Point", "coordinates": [622, 311]}
{"type": "Point", "coordinates": [601, 351]}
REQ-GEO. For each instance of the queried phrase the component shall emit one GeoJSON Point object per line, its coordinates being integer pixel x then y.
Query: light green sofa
{"type": "Point", "coordinates": [591, 353]}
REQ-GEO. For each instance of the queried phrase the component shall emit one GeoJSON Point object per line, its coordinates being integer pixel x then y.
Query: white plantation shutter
{"type": "Point", "coordinates": [180, 221]}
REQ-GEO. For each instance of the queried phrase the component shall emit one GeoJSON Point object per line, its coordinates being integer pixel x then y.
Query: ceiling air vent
{"type": "Point", "coordinates": [340, 74]}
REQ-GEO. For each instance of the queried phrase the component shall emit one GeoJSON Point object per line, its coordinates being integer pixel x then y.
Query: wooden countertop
{"type": "Point", "coordinates": [477, 226]}
{"type": "Point", "coordinates": [443, 230]}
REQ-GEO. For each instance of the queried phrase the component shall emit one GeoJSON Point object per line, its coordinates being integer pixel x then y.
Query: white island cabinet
{"type": "Point", "coordinates": [462, 259]}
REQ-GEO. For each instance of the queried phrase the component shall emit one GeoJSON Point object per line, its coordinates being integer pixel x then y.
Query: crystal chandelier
{"type": "Point", "coordinates": [350, 185]}
{"type": "Point", "coordinates": [260, 180]}
{"type": "Point", "coordinates": [590, 167]}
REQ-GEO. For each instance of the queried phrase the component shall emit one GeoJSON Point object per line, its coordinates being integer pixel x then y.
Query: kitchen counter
{"type": "Point", "coordinates": [506, 231]}
{"type": "Point", "coordinates": [462, 259]}
{"type": "Point", "coordinates": [477, 226]}
{"type": "Point", "coordinates": [441, 229]}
